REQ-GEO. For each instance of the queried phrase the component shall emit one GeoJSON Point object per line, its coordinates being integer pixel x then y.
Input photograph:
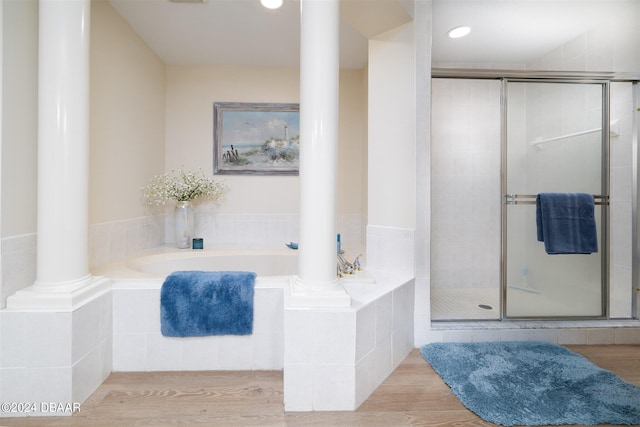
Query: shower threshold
{"type": "Point", "coordinates": [536, 324]}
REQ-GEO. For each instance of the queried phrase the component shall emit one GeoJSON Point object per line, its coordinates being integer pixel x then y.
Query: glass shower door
{"type": "Point", "coordinates": [465, 199]}
{"type": "Point", "coordinates": [554, 144]}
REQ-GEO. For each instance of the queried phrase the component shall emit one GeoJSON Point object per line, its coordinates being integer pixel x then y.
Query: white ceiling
{"type": "Point", "coordinates": [242, 32]}
{"type": "Point", "coordinates": [516, 31]}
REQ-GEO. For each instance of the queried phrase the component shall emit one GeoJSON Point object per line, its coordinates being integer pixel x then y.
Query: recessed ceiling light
{"type": "Point", "coordinates": [271, 4]}
{"type": "Point", "coordinates": [457, 32]}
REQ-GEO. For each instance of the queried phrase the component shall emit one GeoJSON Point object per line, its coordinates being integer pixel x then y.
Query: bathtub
{"type": "Point", "coordinates": [264, 263]}
{"type": "Point", "coordinates": [138, 344]}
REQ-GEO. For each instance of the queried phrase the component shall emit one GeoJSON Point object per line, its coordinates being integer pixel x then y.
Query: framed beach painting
{"type": "Point", "coordinates": [254, 138]}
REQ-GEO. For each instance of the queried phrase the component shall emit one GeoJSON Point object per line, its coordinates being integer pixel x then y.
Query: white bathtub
{"type": "Point", "coordinates": [138, 344]}
{"type": "Point", "coordinates": [263, 263]}
{"type": "Point", "coordinates": [269, 265]}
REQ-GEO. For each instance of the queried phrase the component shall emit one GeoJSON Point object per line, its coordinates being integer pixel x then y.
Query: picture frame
{"type": "Point", "coordinates": [256, 138]}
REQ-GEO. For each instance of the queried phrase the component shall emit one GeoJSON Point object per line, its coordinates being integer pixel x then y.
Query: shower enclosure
{"type": "Point", "coordinates": [555, 143]}
{"type": "Point", "coordinates": [498, 142]}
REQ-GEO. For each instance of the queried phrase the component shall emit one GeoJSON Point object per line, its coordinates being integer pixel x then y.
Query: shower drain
{"type": "Point", "coordinates": [485, 306]}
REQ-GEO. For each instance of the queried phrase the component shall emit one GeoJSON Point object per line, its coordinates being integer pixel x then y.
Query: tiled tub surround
{"type": "Point", "coordinates": [138, 342]}
{"type": "Point", "coordinates": [18, 265]}
{"type": "Point", "coordinates": [59, 357]}
{"type": "Point", "coordinates": [333, 358]}
{"type": "Point", "coordinates": [117, 240]}
{"type": "Point", "coordinates": [264, 231]}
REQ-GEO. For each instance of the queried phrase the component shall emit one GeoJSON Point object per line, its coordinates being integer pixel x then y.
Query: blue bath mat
{"type": "Point", "coordinates": [200, 303]}
{"type": "Point", "coordinates": [533, 383]}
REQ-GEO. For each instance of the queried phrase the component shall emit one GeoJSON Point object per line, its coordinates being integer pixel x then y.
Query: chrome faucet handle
{"type": "Point", "coordinates": [356, 262]}
{"type": "Point", "coordinates": [347, 267]}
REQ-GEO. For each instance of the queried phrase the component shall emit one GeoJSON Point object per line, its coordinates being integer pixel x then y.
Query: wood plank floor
{"type": "Point", "coordinates": [413, 395]}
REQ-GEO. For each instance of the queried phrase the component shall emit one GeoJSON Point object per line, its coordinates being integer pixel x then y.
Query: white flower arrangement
{"type": "Point", "coordinates": [183, 187]}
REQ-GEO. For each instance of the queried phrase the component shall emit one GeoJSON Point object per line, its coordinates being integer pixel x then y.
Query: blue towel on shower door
{"type": "Point", "coordinates": [566, 223]}
{"type": "Point", "coordinates": [201, 303]}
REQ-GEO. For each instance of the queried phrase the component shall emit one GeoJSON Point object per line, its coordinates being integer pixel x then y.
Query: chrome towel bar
{"type": "Point", "coordinates": [514, 199]}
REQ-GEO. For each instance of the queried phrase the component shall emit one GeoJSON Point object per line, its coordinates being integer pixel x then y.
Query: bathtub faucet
{"type": "Point", "coordinates": [346, 267]}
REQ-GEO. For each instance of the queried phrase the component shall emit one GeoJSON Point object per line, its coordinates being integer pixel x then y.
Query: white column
{"type": "Point", "coordinates": [63, 143]}
{"type": "Point", "coordinates": [316, 283]}
{"type": "Point", "coordinates": [62, 277]}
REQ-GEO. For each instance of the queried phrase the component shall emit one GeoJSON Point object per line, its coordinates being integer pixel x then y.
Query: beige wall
{"type": "Point", "coordinates": [191, 92]}
{"type": "Point", "coordinates": [19, 116]}
{"type": "Point", "coordinates": [391, 177]}
{"type": "Point", "coordinates": [352, 148]}
{"type": "Point", "coordinates": [127, 117]}
{"type": "Point", "coordinates": [147, 117]}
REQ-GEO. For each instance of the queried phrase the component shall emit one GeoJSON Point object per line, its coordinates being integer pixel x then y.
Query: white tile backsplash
{"type": "Point", "coordinates": [116, 240]}
{"type": "Point", "coordinates": [18, 265]}
{"type": "Point", "coordinates": [391, 249]}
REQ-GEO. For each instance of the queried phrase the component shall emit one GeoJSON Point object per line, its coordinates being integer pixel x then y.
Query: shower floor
{"type": "Point", "coordinates": [484, 304]}
{"type": "Point", "coordinates": [465, 304]}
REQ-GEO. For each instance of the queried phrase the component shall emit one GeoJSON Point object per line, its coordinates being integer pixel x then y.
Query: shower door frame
{"type": "Point", "coordinates": [635, 199]}
{"type": "Point", "coordinates": [604, 190]}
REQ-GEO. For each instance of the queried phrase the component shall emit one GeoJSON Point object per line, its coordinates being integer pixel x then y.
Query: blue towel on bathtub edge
{"type": "Point", "coordinates": [566, 223]}
{"type": "Point", "coordinates": [202, 303]}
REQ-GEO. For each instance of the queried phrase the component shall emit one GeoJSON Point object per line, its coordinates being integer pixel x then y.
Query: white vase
{"type": "Point", "coordinates": [185, 221]}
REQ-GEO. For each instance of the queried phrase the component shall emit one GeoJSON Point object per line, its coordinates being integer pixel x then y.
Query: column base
{"type": "Point", "coordinates": [307, 295]}
{"type": "Point", "coordinates": [31, 298]}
